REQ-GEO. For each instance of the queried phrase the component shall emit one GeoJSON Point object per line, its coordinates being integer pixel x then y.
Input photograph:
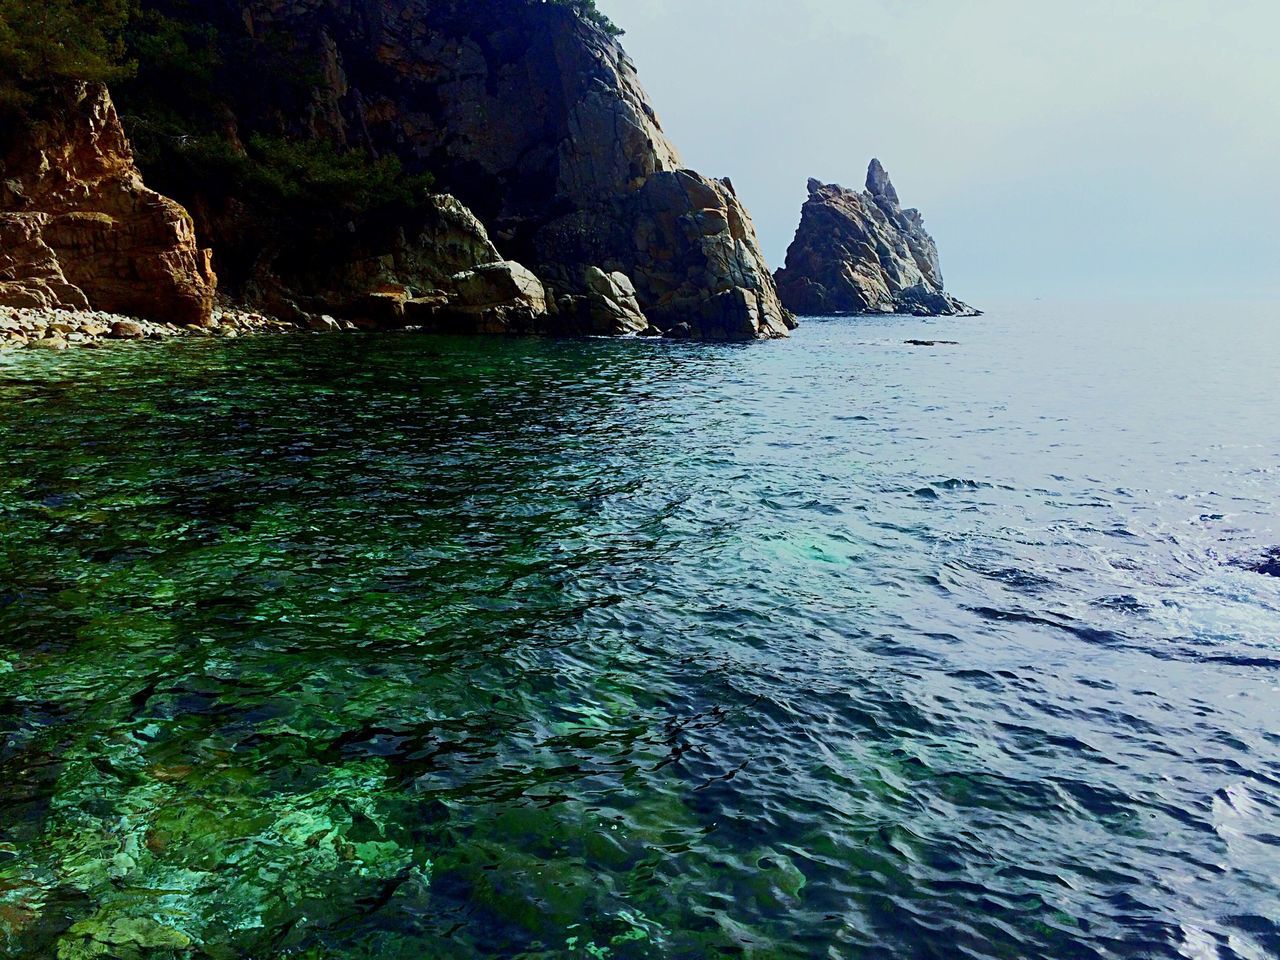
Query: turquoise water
{"type": "Point", "coordinates": [399, 647]}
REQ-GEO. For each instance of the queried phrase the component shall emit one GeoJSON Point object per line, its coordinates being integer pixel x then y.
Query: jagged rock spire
{"type": "Point", "coordinates": [878, 183]}
{"type": "Point", "coordinates": [859, 252]}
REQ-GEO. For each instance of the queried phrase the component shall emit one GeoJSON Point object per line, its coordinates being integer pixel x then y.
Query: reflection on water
{"type": "Point", "coordinates": [403, 647]}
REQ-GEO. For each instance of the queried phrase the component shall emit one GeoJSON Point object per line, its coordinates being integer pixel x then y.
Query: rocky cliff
{"type": "Point", "coordinates": [527, 112]}
{"type": "Point", "coordinates": [80, 230]}
{"type": "Point", "coordinates": [861, 252]}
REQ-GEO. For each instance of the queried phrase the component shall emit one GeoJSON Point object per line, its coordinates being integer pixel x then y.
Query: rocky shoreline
{"type": "Point", "coordinates": [60, 329]}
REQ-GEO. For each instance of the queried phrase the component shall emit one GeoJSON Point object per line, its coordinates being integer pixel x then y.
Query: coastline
{"type": "Point", "coordinates": [28, 328]}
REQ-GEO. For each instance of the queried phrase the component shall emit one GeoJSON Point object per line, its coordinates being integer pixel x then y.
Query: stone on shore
{"type": "Point", "coordinates": [127, 330]}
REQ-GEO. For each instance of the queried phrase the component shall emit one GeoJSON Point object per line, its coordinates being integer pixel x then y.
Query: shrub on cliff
{"type": "Point", "coordinates": [309, 181]}
{"type": "Point", "coordinates": [217, 116]}
{"type": "Point", "coordinates": [44, 42]}
{"type": "Point", "coordinates": [588, 10]}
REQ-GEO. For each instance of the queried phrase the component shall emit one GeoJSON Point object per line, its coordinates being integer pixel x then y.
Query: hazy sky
{"type": "Point", "coordinates": [1055, 147]}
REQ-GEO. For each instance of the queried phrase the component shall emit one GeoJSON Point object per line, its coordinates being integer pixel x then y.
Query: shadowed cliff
{"type": "Point", "coordinates": [531, 114]}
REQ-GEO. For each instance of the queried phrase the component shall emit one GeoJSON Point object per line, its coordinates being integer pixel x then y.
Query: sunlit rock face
{"type": "Point", "coordinates": [861, 252]}
{"type": "Point", "coordinates": [80, 230]}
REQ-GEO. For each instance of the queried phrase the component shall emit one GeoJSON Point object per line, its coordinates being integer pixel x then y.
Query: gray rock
{"type": "Point", "coordinates": [322, 324]}
{"type": "Point", "coordinates": [501, 297]}
{"type": "Point", "coordinates": [860, 252]}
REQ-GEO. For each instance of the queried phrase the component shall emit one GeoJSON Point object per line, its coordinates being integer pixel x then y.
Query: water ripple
{"type": "Point", "coordinates": [399, 647]}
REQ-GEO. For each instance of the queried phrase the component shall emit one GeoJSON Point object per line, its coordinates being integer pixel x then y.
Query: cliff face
{"type": "Point", "coordinates": [79, 229]}
{"type": "Point", "coordinates": [534, 118]}
{"type": "Point", "coordinates": [861, 252]}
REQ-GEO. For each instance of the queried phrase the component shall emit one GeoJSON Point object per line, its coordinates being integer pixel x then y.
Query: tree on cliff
{"type": "Point", "coordinates": [43, 42]}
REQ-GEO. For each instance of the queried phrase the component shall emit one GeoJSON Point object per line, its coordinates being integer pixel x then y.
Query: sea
{"type": "Point", "coordinates": [404, 647]}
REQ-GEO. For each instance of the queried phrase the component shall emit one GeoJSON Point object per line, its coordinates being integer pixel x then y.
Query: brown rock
{"type": "Point", "coordinates": [383, 309]}
{"type": "Point", "coordinates": [80, 229]}
{"type": "Point", "coordinates": [127, 330]}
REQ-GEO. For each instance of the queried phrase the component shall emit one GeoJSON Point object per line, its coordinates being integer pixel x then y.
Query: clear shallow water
{"type": "Point", "coordinates": [331, 647]}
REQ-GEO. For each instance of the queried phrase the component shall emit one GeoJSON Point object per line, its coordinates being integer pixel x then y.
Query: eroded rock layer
{"type": "Point", "coordinates": [80, 230]}
{"type": "Point", "coordinates": [861, 252]}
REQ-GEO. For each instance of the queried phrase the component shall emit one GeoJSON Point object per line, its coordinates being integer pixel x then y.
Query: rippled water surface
{"type": "Point", "coordinates": [410, 648]}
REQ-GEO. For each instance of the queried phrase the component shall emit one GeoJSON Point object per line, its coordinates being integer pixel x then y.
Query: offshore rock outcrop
{"type": "Point", "coordinates": [861, 252]}
{"type": "Point", "coordinates": [533, 117]}
{"type": "Point", "coordinates": [80, 230]}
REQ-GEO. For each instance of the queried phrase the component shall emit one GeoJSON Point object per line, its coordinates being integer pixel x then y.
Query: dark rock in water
{"type": "Point", "coordinates": [609, 307]}
{"type": "Point", "coordinates": [861, 252]}
{"type": "Point", "coordinates": [1270, 565]}
{"type": "Point", "coordinates": [932, 343]}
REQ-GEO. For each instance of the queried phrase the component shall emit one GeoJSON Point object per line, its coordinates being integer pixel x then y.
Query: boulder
{"type": "Point", "coordinates": [78, 227]}
{"type": "Point", "coordinates": [321, 323]}
{"type": "Point", "coordinates": [614, 307]}
{"type": "Point", "coordinates": [861, 252]}
{"type": "Point", "coordinates": [127, 330]}
{"type": "Point", "coordinates": [609, 307]}
{"type": "Point", "coordinates": [373, 279]}
{"type": "Point", "coordinates": [501, 297]}
{"type": "Point", "coordinates": [685, 241]}
{"type": "Point", "coordinates": [50, 343]}
{"type": "Point", "coordinates": [382, 309]}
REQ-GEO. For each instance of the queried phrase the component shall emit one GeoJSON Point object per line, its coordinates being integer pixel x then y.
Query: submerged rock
{"type": "Point", "coordinates": [80, 230]}
{"type": "Point", "coordinates": [861, 252]}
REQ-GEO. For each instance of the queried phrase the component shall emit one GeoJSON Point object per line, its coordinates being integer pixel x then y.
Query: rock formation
{"type": "Point", "coordinates": [533, 117]}
{"type": "Point", "coordinates": [861, 252]}
{"type": "Point", "coordinates": [438, 270]}
{"type": "Point", "coordinates": [79, 229]}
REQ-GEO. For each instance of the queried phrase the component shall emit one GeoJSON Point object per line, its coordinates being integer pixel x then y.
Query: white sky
{"type": "Point", "coordinates": [1055, 147]}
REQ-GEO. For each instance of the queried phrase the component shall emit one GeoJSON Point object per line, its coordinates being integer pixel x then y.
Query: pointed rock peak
{"type": "Point", "coordinates": [814, 186]}
{"type": "Point", "coordinates": [878, 183]}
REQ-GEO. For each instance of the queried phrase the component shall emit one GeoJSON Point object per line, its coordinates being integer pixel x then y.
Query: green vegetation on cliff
{"type": "Point", "coordinates": [44, 42]}
{"type": "Point", "coordinates": [589, 10]}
